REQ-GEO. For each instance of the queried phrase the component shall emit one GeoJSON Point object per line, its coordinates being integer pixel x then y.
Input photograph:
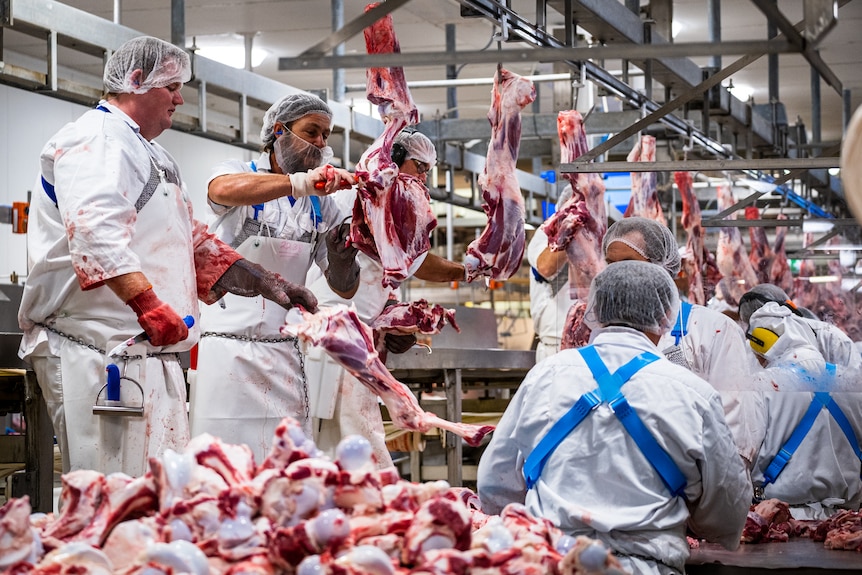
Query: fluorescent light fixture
{"type": "Point", "coordinates": [822, 279]}
{"type": "Point", "coordinates": [742, 91]}
{"type": "Point", "coordinates": [675, 28]}
{"type": "Point", "coordinates": [816, 226]}
{"type": "Point", "coordinates": [834, 171]}
{"type": "Point", "coordinates": [233, 56]}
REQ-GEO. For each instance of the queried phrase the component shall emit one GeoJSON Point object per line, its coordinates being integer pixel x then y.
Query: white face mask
{"type": "Point", "coordinates": [294, 154]}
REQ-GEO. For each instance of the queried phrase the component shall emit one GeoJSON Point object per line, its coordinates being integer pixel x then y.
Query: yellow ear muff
{"type": "Point", "coordinates": [761, 339]}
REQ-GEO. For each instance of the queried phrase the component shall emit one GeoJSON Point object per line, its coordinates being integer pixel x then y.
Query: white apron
{"type": "Point", "coordinates": [71, 375]}
{"type": "Point", "coordinates": [249, 376]}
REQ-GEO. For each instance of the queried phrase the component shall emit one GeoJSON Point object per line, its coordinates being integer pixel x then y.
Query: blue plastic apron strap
{"type": "Point", "coordinates": [680, 328]}
{"type": "Point", "coordinates": [258, 208]}
{"type": "Point", "coordinates": [611, 389]}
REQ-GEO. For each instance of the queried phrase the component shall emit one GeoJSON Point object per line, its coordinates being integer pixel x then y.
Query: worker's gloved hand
{"type": "Point", "coordinates": [342, 274]}
{"type": "Point", "coordinates": [161, 323]}
{"type": "Point", "coordinates": [398, 343]}
{"type": "Point", "coordinates": [248, 279]}
{"type": "Point", "coordinates": [320, 181]}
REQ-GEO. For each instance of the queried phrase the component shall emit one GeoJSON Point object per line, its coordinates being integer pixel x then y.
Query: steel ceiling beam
{"type": "Point", "coordinates": [773, 13]}
{"type": "Point", "coordinates": [701, 165]}
{"type": "Point", "coordinates": [307, 61]}
{"type": "Point", "coordinates": [351, 29]}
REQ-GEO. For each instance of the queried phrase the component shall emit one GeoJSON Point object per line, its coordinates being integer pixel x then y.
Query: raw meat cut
{"type": "Point", "coordinates": [392, 215]}
{"type": "Point", "coordinates": [310, 516]}
{"type": "Point", "coordinates": [351, 343]}
{"type": "Point", "coordinates": [578, 226]}
{"type": "Point", "coordinates": [695, 248]}
{"type": "Point", "coordinates": [738, 274]}
{"type": "Point", "coordinates": [415, 317]}
{"type": "Point", "coordinates": [760, 255]}
{"type": "Point", "coordinates": [841, 531]}
{"type": "Point", "coordinates": [497, 253]}
{"type": "Point", "coordinates": [644, 199]}
{"type": "Point", "coordinates": [780, 273]}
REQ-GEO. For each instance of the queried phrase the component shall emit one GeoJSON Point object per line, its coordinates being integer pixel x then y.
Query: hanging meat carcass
{"type": "Point", "coordinates": [578, 226]}
{"type": "Point", "coordinates": [415, 317]}
{"type": "Point", "coordinates": [392, 216]}
{"type": "Point", "coordinates": [644, 199]}
{"type": "Point", "coordinates": [760, 254]}
{"type": "Point", "coordinates": [738, 274]}
{"type": "Point", "coordinates": [691, 221]}
{"type": "Point", "coordinates": [780, 273]}
{"type": "Point", "coordinates": [498, 251]}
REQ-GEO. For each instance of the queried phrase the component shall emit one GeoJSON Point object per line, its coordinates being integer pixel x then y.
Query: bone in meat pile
{"type": "Point", "coordinates": [497, 253]}
{"type": "Point", "coordinates": [212, 511]}
{"type": "Point", "coordinates": [392, 216]}
{"type": "Point", "coordinates": [644, 199]}
{"type": "Point", "coordinates": [351, 344]}
{"type": "Point", "coordinates": [578, 227]}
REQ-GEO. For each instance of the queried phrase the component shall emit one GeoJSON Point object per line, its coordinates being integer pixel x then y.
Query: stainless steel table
{"type": "Point", "coordinates": [455, 370]}
{"type": "Point", "coordinates": [798, 556]}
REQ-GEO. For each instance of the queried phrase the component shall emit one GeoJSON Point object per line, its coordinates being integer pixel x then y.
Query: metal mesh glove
{"type": "Point", "coordinates": [248, 279]}
{"type": "Point", "coordinates": [161, 323]}
{"type": "Point", "coordinates": [342, 274]}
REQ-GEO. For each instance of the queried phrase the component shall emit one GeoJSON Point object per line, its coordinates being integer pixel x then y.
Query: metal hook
{"type": "Point", "coordinates": [425, 345]}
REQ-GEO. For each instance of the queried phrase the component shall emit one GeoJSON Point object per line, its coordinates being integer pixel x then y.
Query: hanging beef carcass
{"type": "Point", "coordinates": [644, 199]}
{"type": "Point", "coordinates": [578, 226]}
{"type": "Point", "coordinates": [738, 274]}
{"type": "Point", "coordinates": [760, 254]}
{"type": "Point", "coordinates": [498, 251]}
{"type": "Point", "coordinates": [780, 273]}
{"type": "Point", "coordinates": [691, 221]}
{"type": "Point", "coordinates": [392, 215]}
{"type": "Point", "coordinates": [351, 343]}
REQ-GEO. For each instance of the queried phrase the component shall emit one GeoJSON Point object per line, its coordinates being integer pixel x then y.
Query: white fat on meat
{"type": "Point", "coordinates": [235, 463]}
{"type": "Point", "coordinates": [498, 251]}
{"type": "Point", "coordinates": [75, 558]}
{"type": "Point", "coordinates": [80, 497]}
{"type": "Point", "coordinates": [130, 539]}
{"type": "Point", "coordinates": [170, 558]}
{"type": "Point", "coordinates": [440, 523]}
{"type": "Point", "coordinates": [350, 342]}
{"type": "Point", "coordinates": [19, 540]}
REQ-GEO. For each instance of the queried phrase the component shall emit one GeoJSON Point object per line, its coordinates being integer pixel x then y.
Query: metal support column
{"type": "Point", "coordinates": [451, 74]}
{"type": "Point", "coordinates": [178, 23]}
{"type": "Point", "coordinates": [815, 111]}
{"type": "Point", "coordinates": [338, 81]}
{"type": "Point", "coordinates": [454, 455]}
{"type": "Point", "coordinates": [713, 19]}
{"type": "Point", "coordinates": [848, 109]}
{"type": "Point", "coordinates": [118, 11]}
{"type": "Point", "coordinates": [772, 62]}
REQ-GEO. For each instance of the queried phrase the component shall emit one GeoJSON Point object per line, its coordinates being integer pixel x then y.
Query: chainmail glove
{"type": "Point", "coordinates": [248, 279]}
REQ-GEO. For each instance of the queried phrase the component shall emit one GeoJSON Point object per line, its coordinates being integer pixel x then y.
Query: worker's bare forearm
{"type": "Point", "coordinates": [437, 269]}
{"type": "Point", "coordinates": [550, 263]}
{"type": "Point", "coordinates": [128, 285]}
{"type": "Point", "coordinates": [247, 189]}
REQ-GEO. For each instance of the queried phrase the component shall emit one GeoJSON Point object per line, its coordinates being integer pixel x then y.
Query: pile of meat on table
{"type": "Point", "coordinates": [212, 510]}
{"type": "Point", "coordinates": [769, 521]}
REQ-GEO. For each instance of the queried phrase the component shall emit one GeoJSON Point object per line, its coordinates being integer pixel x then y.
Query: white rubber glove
{"type": "Point", "coordinates": [320, 181]}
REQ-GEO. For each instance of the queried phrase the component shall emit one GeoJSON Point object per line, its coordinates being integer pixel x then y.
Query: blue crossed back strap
{"type": "Point", "coordinates": [609, 391]}
{"type": "Point", "coordinates": [820, 400]}
{"type": "Point", "coordinates": [680, 327]}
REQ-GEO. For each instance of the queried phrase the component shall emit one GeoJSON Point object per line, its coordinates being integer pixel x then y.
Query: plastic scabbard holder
{"type": "Point", "coordinates": [112, 404]}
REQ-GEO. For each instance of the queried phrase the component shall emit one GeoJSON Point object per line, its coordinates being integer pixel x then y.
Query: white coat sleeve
{"type": "Point", "coordinates": [500, 477]}
{"type": "Point", "coordinates": [718, 515]}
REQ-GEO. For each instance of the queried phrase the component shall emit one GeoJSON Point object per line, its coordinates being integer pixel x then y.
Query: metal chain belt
{"type": "Point", "coordinates": [305, 403]}
{"type": "Point", "coordinates": [90, 346]}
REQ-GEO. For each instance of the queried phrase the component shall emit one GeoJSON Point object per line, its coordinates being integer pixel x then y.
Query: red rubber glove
{"type": "Point", "coordinates": [160, 322]}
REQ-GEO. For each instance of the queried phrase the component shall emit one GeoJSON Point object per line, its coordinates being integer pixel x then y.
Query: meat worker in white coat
{"type": "Point", "coordinates": [588, 472]}
{"type": "Point", "coordinates": [812, 416]}
{"type": "Point", "coordinates": [705, 341]}
{"type": "Point", "coordinates": [345, 406]}
{"type": "Point", "coordinates": [550, 297]}
{"type": "Point", "coordinates": [113, 249]}
{"type": "Point", "coordinates": [249, 376]}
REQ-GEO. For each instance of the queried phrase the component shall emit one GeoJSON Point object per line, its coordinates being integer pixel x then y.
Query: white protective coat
{"type": "Point", "coordinates": [548, 309]}
{"type": "Point", "coordinates": [597, 482]}
{"type": "Point", "coordinates": [824, 472]}
{"type": "Point", "coordinates": [94, 234]}
{"type": "Point", "coordinates": [715, 349]}
{"type": "Point", "coordinates": [243, 388]}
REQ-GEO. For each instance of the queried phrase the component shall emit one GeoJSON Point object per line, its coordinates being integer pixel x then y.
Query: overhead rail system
{"type": "Point", "coordinates": [621, 33]}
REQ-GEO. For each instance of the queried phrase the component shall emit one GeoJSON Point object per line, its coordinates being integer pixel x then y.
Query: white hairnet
{"type": "Point", "coordinates": [649, 238]}
{"type": "Point", "coordinates": [288, 110]}
{"type": "Point", "coordinates": [418, 147]}
{"type": "Point", "coordinates": [757, 296]}
{"type": "Point", "coordinates": [632, 293]}
{"type": "Point", "coordinates": [162, 64]}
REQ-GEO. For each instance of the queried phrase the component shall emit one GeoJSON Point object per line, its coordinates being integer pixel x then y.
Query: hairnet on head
{"type": "Point", "coordinates": [162, 64]}
{"type": "Point", "coordinates": [649, 238]}
{"type": "Point", "coordinates": [632, 293]}
{"type": "Point", "coordinates": [288, 110]}
{"type": "Point", "coordinates": [757, 297]}
{"type": "Point", "coordinates": [418, 147]}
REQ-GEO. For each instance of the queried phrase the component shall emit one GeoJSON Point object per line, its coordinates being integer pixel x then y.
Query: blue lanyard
{"type": "Point", "coordinates": [316, 214]}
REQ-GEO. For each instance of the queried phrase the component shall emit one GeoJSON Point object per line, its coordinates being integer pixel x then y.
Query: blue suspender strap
{"type": "Point", "coordinates": [49, 190]}
{"type": "Point", "coordinates": [680, 328]}
{"type": "Point", "coordinates": [790, 446]}
{"type": "Point", "coordinates": [563, 427]}
{"type": "Point", "coordinates": [316, 216]}
{"type": "Point", "coordinates": [843, 423]}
